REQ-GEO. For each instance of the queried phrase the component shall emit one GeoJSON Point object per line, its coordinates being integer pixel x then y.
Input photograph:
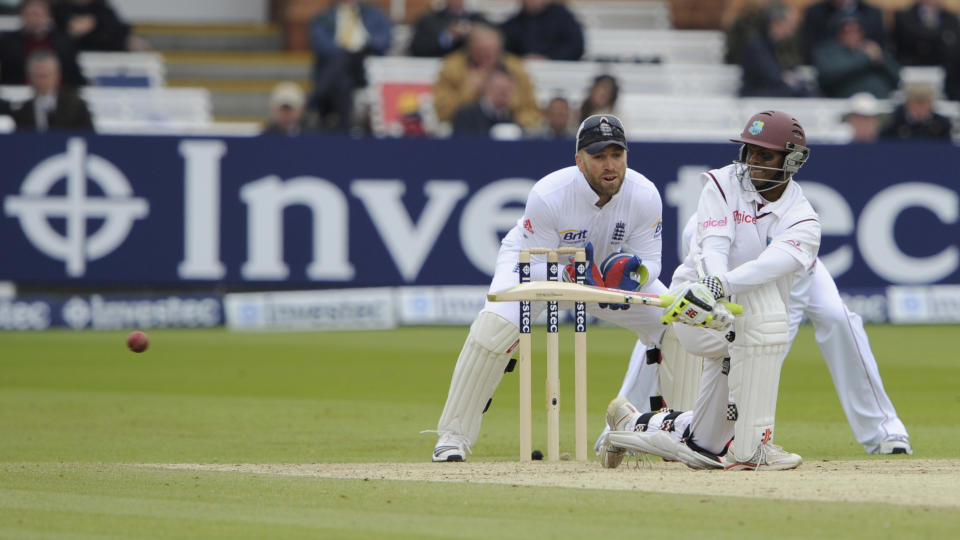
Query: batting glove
{"type": "Point", "coordinates": [695, 305]}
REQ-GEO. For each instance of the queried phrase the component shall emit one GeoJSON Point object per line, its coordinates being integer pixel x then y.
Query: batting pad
{"type": "Point", "coordinates": [761, 341]}
{"type": "Point", "coordinates": [679, 373]}
{"type": "Point", "coordinates": [479, 369]}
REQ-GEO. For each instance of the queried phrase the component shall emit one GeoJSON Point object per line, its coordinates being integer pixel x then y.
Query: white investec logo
{"type": "Point", "coordinates": [35, 206]}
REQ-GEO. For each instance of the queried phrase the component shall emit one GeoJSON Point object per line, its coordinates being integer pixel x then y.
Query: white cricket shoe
{"type": "Point", "coordinates": [768, 457]}
{"type": "Point", "coordinates": [450, 447]}
{"type": "Point", "coordinates": [611, 456]}
{"type": "Point", "coordinates": [622, 415]}
{"type": "Point", "coordinates": [895, 444]}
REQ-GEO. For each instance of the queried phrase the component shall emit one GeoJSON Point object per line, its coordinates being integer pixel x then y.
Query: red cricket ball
{"type": "Point", "coordinates": [137, 341]}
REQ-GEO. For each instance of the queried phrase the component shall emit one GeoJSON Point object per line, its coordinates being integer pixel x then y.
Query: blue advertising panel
{"type": "Point", "coordinates": [325, 211]}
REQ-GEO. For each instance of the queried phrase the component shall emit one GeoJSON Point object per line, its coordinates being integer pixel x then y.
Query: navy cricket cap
{"type": "Point", "coordinates": [599, 131]}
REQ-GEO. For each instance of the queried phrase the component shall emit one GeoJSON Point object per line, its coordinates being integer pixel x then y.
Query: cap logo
{"type": "Point", "coordinates": [756, 128]}
{"type": "Point", "coordinates": [605, 128]}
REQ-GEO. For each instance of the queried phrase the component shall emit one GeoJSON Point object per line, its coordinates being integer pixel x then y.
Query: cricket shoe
{"type": "Point", "coordinates": [768, 456]}
{"type": "Point", "coordinates": [895, 444]}
{"type": "Point", "coordinates": [450, 447]}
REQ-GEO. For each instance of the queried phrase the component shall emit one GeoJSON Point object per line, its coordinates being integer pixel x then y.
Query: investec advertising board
{"type": "Point", "coordinates": [329, 212]}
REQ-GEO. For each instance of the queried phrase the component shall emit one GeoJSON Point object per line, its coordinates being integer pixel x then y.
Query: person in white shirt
{"type": "Point", "coordinates": [600, 204]}
{"type": "Point", "coordinates": [755, 232]}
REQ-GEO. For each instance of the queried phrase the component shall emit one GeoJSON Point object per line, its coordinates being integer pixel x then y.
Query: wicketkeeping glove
{"type": "Point", "coordinates": [622, 270]}
{"type": "Point", "coordinates": [695, 305]}
{"type": "Point", "coordinates": [593, 277]}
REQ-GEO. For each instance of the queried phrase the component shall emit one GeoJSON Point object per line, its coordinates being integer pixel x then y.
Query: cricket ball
{"type": "Point", "coordinates": [137, 341]}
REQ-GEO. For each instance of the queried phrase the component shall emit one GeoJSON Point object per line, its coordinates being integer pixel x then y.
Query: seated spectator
{"type": "Point", "coordinates": [491, 109]}
{"type": "Point", "coordinates": [601, 97]}
{"type": "Point", "coordinates": [52, 107]}
{"type": "Point", "coordinates": [543, 29]}
{"type": "Point", "coordinates": [443, 30]}
{"type": "Point", "coordinates": [93, 25]}
{"type": "Point", "coordinates": [915, 118]}
{"type": "Point", "coordinates": [464, 72]}
{"type": "Point", "coordinates": [763, 72]}
{"type": "Point", "coordinates": [342, 36]}
{"type": "Point", "coordinates": [864, 118]}
{"type": "Point", "coordinates": [556, 120]}
{"type": "Point", "coordinates": [851, 63]}
{"type": "Point", "coordinates": [923, 32]}
{"type": "Point", "coordinates": [287, 110]}
{"type": "Point", "coordinates": [37, 33]}
{"type": "Point", "coordinates": [744, 19]}
{"type": "Point", "coordinates": [818, 17]}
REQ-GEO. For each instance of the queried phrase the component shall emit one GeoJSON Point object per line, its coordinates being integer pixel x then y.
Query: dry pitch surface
{"type": "Point", "coordinates": [896, 480]}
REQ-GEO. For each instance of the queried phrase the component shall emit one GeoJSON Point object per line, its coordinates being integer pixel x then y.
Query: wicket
{"type": "Point", "coordinates": [553, 359]}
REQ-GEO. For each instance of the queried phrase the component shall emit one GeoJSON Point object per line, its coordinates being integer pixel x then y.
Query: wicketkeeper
{"type": "Point", "coordinates": [600, 204]}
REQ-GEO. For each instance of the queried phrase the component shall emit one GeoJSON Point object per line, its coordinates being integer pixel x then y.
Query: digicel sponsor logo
{"type": "Point", "coordinates": [740, 217]}
{"type": "Point", "coordinates": [722, 222]}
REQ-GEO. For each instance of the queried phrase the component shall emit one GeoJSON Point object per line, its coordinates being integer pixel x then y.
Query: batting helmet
{"type": "Point", "coordinates": [776, 130]}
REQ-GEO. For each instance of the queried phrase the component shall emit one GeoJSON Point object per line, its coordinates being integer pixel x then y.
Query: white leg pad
{"type": "Point", "coordinates": [755, 354]}
{"type": "Point", "coordinates": [479, 369]}
{"type": "Point", "coordinates": [679, 373]}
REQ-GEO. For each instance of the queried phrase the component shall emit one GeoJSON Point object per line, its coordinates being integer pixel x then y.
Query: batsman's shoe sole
{"type": "Point", "coordinates": [611, 456]}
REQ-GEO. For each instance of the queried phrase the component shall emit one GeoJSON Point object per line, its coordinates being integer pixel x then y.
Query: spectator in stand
{"type": "Point", "coordinates": [464, 72]}
{"type": "Point", "coordinates": [37, 33]}
{"type": "Point", "coordinates": [543, 29]}
{"type": "Point", "coordinates": [864, 118]}
{"type": "Point", "coordinates": [852, 63]}
{"type": "Point", "coordinates": [491, 109]}
{"type": "Point", "coordinates": [288, 115]}
{"type": "Point", "coordinates": [915, 119]}
{"type": "Point", "coordinates": [342, 36]}
{"type": "Point", "coordinates": [923, 33]}
{"type": "Point", "coordinates": [744, 19]}
{"type": "Point", "coordinates": [52, 107]}
{"type": "Point", "coordinates": [556, 120]}
{"type": "Point", "coordinates": [763, 72]}
{"type": "Point", "coordinates": [817, 19]}
{"type": "Point", "coordinates": [443, 30]}
{"type": "Point", "coordinates": [93, 25]}
{"type": "Point", "coordinates": [601, 97]}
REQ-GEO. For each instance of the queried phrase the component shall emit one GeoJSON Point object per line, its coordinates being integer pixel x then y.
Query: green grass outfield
{"type": "Point", "coordinates": [78, 411]}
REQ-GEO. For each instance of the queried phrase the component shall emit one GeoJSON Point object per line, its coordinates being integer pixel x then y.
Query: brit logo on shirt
{"type": "Point", "coordinates": [619, 231]}
{"type": "Point", "coordinates": [528, 226]}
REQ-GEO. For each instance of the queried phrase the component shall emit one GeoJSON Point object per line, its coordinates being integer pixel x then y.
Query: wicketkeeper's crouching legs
{"type": "Point", "coordinates": [479, 369]}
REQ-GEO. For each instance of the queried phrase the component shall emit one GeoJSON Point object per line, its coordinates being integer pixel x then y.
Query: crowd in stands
{"type": "Point", "coordinates": [831, 49]}
{"type": "Point", "coordinates": [42, 53]}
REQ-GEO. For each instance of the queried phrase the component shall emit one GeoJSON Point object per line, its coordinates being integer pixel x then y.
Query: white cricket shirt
{"type": "Point", "coordinates": [561, 211]}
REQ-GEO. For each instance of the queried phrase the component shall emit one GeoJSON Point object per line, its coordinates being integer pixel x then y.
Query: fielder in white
{"type": "Point", "coordinates": [600, 204]}
{"type": "Point", "coordinates": [842, 340]}
{"type": "Point", "coordinates": [755, 232]}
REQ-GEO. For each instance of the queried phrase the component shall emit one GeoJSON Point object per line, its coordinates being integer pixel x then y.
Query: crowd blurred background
{"type": "Point", "coordinates": [674, 70]}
